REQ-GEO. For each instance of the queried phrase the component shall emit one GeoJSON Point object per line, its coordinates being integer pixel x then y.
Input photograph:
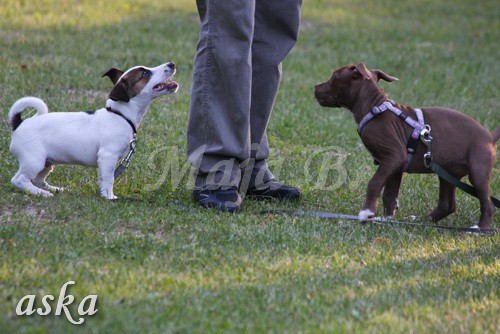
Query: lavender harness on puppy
{"type": "Point", "coordinates": [417, 125]}
{"type": "Point", "coordinates": [421, 131]}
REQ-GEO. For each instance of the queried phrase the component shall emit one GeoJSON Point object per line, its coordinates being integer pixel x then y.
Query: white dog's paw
{"type": "Point", "coordinates": [44, 193]}
{"type": "Point", "coordinates": [364, 215]}
{"type": "Point", "coordinates": [56, 189]}
{"type": "Point", "coordinates": [111, 197]}
{"type": "Point", "coordinates": [48, 187]}
{"type": "Point", "coordinates": [106, 193]}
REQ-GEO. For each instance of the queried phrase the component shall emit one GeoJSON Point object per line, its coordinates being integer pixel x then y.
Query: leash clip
{"type": "Point", "coordinates": [425, 135]}
{"type": "Point", "coordinates": [428, 159]}
{"type": "Point", "coordinates": [125, 162]}
{"type": "Point", "coordinates": [130, 153]}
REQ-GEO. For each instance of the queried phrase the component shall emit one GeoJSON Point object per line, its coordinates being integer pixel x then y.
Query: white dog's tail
{"type": "Point", "coordinates": [26, 102]}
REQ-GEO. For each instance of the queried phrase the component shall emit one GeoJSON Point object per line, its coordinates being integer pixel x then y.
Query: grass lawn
{"type": "Point", "coordinates": [163, 268]}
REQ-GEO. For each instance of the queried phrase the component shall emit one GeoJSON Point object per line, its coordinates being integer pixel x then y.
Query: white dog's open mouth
{"type": "Point", "coordinates": [170, 87]}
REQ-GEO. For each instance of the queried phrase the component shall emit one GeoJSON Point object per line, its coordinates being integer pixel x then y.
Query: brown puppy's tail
{"type": "Point", "coordinates": [496, 135]}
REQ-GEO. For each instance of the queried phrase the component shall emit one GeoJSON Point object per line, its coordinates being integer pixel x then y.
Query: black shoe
{"type": "Point", "coordinates": [273, 190]}
{"type": "Point", "coordinates": [224, 200]}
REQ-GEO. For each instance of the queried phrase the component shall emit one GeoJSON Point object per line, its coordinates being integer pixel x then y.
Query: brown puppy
{"type": "Point", "coordinates": [460, 144]}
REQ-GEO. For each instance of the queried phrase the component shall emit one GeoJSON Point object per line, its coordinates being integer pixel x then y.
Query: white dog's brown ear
{"type": "Point", "coordinates": [378, 74]}
{"type": "Point", "coordinates": [119, 92]}
{"type": "Point", "coordinates": [114, 74]}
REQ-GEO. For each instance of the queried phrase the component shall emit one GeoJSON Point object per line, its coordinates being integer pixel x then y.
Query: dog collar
{"type": "Point", "coordinates": [124, 117]}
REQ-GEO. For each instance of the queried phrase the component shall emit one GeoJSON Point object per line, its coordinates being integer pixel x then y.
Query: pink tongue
{"type": "Point", "coordinates": [166, 85]}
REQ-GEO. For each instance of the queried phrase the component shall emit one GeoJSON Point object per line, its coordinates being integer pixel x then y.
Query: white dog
{"type": "Point", "coordinates": [96, 139]}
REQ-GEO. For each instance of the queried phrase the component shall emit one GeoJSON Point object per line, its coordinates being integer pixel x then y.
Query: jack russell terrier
{"type": "Point", "coordinates": [95, 139]}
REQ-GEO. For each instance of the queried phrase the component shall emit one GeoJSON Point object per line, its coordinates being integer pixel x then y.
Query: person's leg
{"type": "Point", "coordinates": [275, 33]}
{"type": "Point", "coordinates": [218, 134]}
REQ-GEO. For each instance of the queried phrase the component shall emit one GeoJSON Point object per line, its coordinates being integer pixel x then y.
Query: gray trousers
{"type": "Point", "coordinates": [237, 71]}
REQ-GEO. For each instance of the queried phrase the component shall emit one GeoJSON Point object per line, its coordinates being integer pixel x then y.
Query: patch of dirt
{"type": "Point", "coordinates": [7, 214]}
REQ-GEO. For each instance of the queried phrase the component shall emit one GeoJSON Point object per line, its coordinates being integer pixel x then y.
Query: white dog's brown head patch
{"type": "Point", "coordinates": [133, 82]}
{"type": "Point", "coordinates": [129, 85]}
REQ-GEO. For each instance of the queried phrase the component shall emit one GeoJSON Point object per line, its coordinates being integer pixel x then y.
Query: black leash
{"type": "Point", "coordinates": [426, 138]}
{"type": "Point", "coordinates": [331, 215]}
{"type": "Point", "coordinates": [436, 168]}
{"type": "Point", "coordinates": [378, 220]}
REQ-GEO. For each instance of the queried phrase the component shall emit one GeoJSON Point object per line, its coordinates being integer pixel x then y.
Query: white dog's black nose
{"type": "Point", "coordinates": [170, 65]}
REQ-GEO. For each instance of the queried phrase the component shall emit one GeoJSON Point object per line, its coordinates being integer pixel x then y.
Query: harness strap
{"type": "Point", "coordinates": [408, 120]}
{"type": "Point", "coordinates": [413, 141]}
{"type": "Point", "coordinates": [418, 125]}
{"type": "Point", "coordinates": [374, 112]}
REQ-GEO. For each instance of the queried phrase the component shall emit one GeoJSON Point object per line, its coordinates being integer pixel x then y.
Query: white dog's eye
{"type": "Point", "coordinates": [145, 73]}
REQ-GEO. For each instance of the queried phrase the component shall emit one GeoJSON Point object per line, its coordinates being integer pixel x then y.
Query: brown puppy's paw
{"type": "Point", "coordinates": [438, 214]}
{"type": "Point", "coordinates": [364, 215]}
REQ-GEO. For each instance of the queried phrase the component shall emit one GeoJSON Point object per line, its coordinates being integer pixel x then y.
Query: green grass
{"type": "Point", "coordinates": [161, 268]}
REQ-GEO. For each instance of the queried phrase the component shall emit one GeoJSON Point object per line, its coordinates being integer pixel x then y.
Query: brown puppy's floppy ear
{"type": "Point", "coordinates": [378, 74]}
{"type": "Point", "coordinates": [114, 74]}
{"type": "Point", "coordinates": [119, 92]}
{"type": "Point", "coordinates": [361, 69]}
